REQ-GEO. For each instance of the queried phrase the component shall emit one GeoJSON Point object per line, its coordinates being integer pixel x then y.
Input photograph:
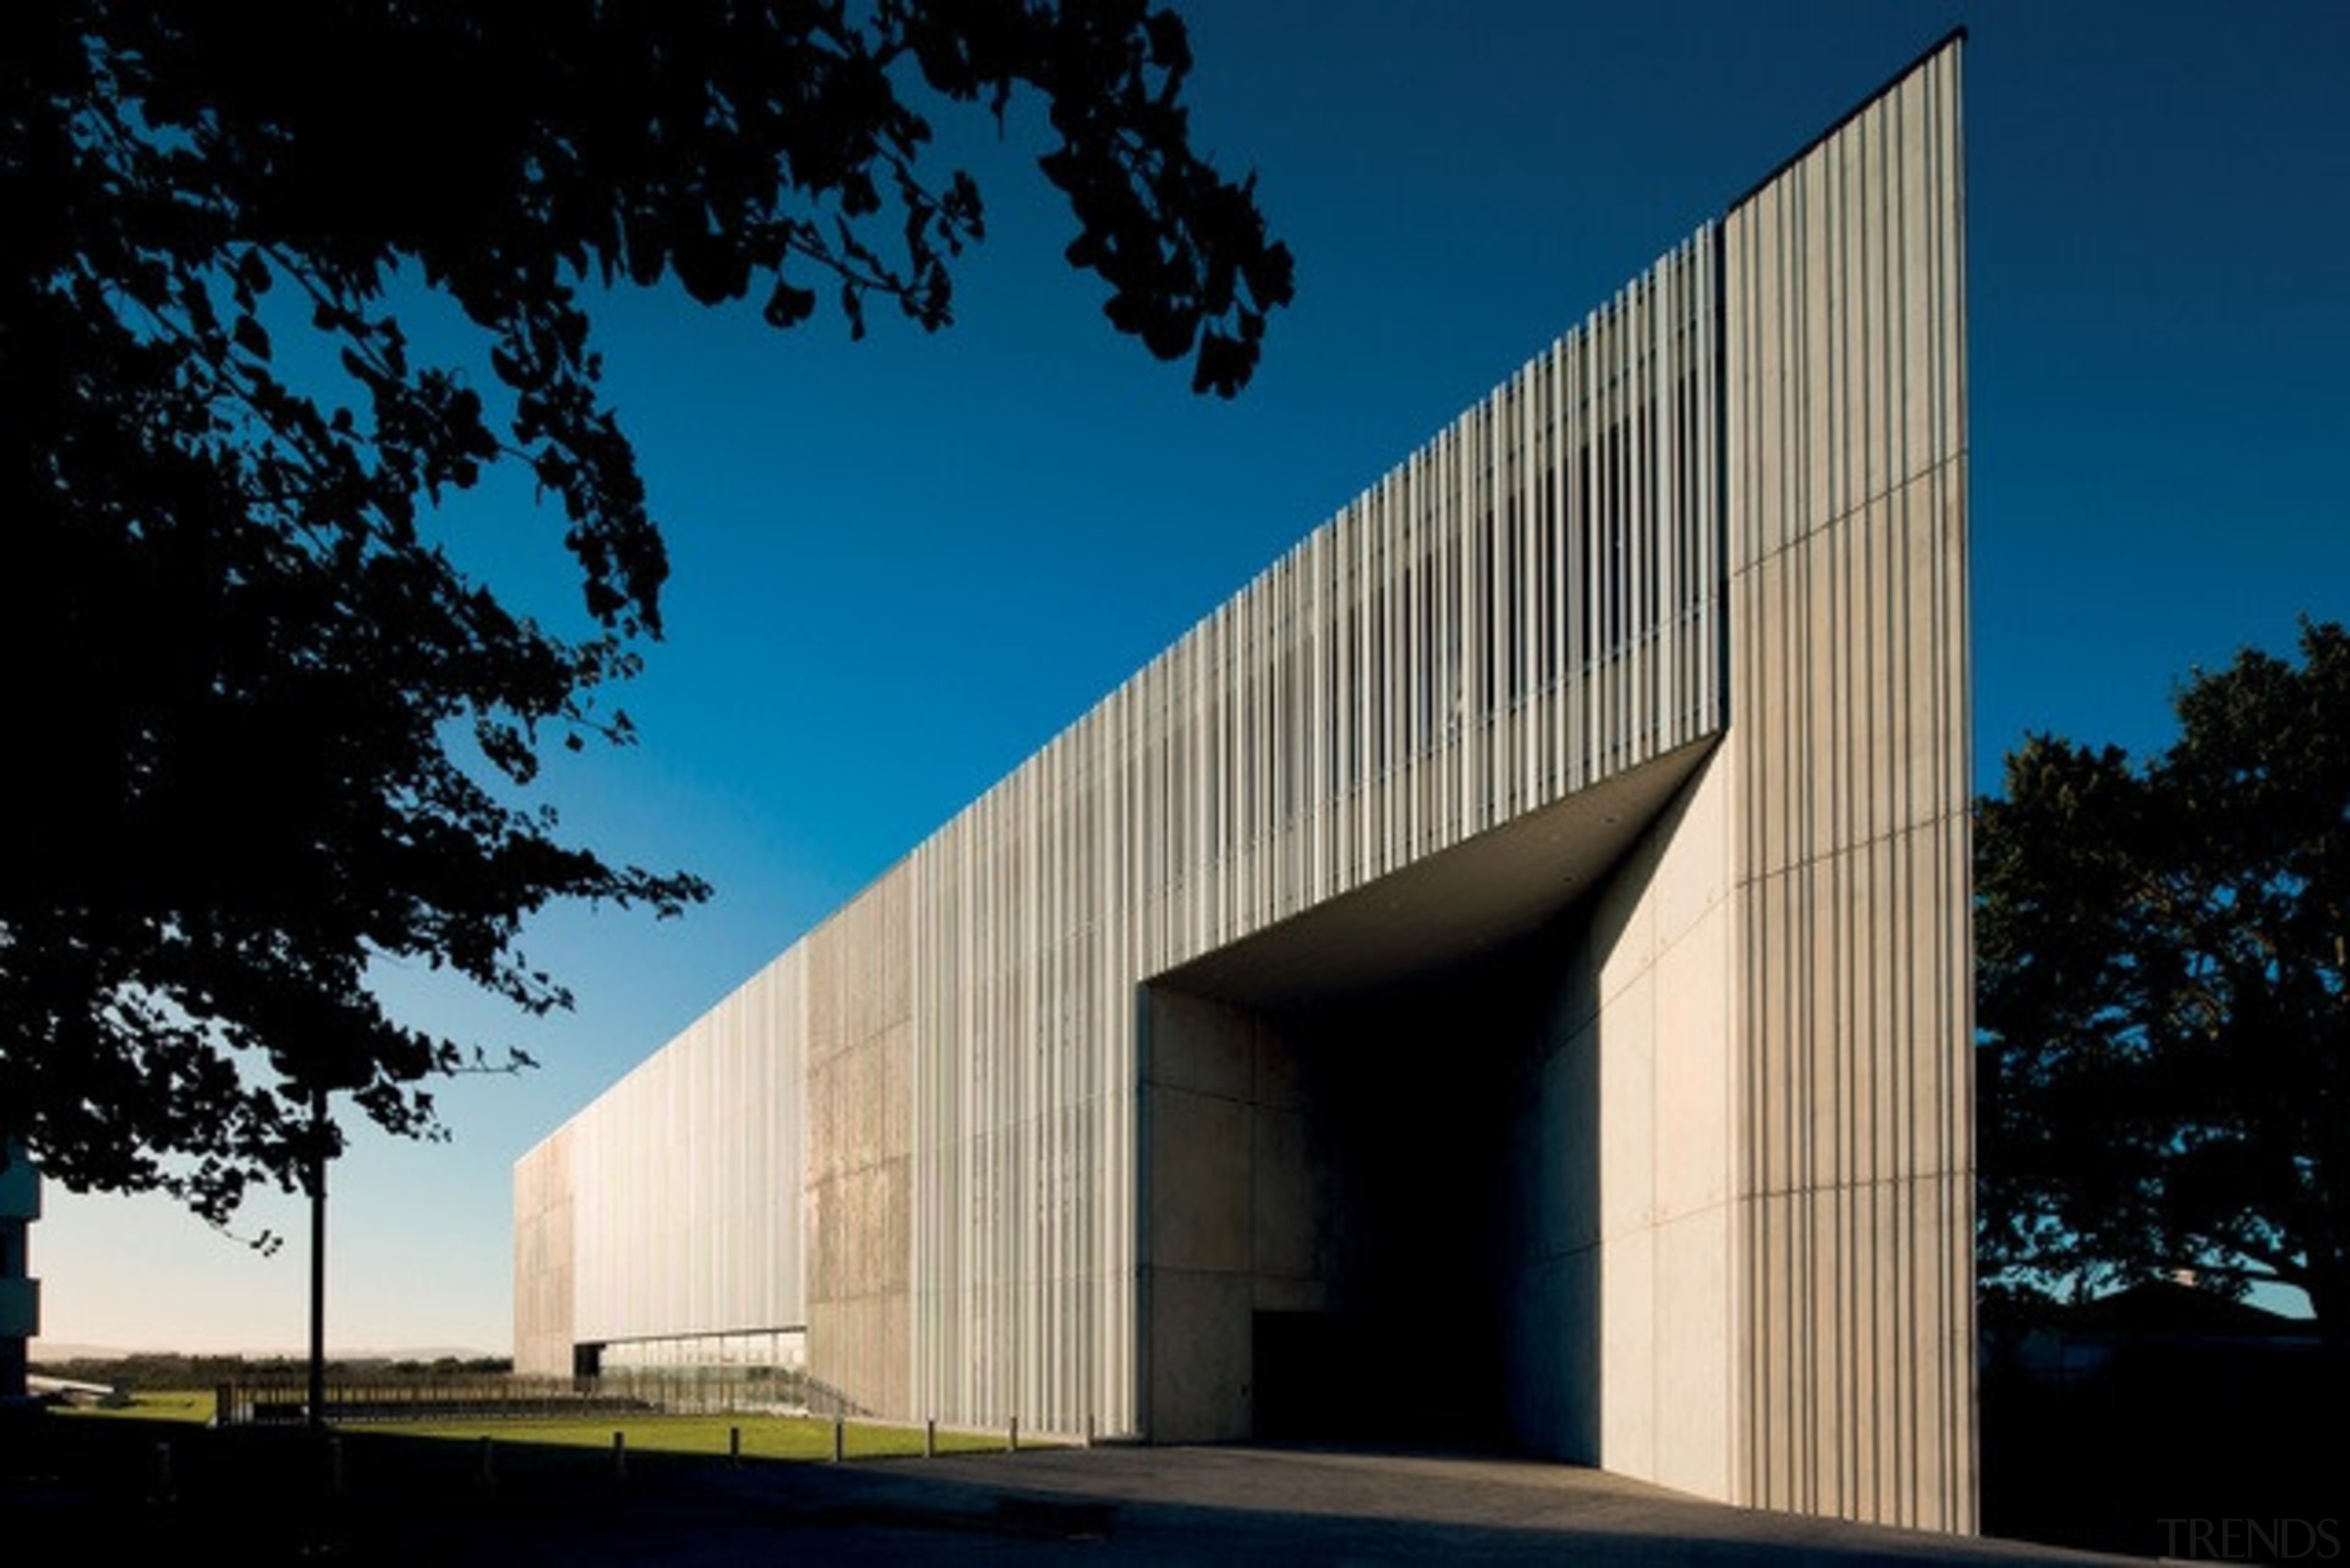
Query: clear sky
{"type": "Point", "coordinates": [903, 564]}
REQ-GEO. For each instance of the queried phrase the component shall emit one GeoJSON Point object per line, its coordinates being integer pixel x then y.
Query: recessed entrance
{"type": "Point", "coordinates": [1398, 1333]}
{"type": "Point", "coordinates": [1348, 1123]}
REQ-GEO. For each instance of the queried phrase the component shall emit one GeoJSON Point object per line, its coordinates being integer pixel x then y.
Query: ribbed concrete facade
{"type": "Point", "coordinates": [1847, 489]}
{"type": "Point", "coordinates": [1602, 768]}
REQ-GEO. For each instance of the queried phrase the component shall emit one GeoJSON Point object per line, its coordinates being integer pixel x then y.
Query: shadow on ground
{"type": "Point", "coordinates": [384, 1498]}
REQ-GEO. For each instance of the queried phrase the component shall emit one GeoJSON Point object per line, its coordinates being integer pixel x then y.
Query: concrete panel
{"type": "Point", "coordinates": [894, 1049]}
{"type": "Point", "coordinates": [1693, 1067]}
{"type": "Point", "coordinates": [1282, 1292]}
{"type": "Point", "coordinates": [1693, 874]}
{"type": "Point", "coordinates": [1626, 921]}
{"type": "Point", "coordinates": [1203, 1045]}
{"type": "Point", "coordinates": [1692, 1377]}
{"type": "Point", "coordinates": [1284, 1224]}
{"type": "Point", "coordinates": [829, 1110]}
{"type": "Point", "coordinates": [1200, 1368]}
{"type": "Point", "coordinates": [1566, 1205]}
{"type": "Point", "coordinates": [544, 1249]}
{"type": "Point", "coordinates": [1853, 644]}
{"type": "Point", "coordinates": [1276, 1082]}
{"type": "Point", "coordinates": [1658, 1097]}
{"type": "Point", "coordinates": [1553, 1321]}
{"type": "Point", "coordinates": [1628, 1351]}
{"type": "Point", "coordinates": [1628, 1109]}
{"type": "Point", "coordinates": [1200, 1182]}
{"type": "Point", "coordinates": [858, 1355]}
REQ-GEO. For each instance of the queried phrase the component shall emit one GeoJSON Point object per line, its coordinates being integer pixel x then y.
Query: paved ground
{"type": "Point", "coordinates": [1216, 1505]}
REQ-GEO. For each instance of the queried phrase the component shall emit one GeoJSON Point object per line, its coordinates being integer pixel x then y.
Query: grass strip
{"type": "Point", "coordinates": [188, 1405]}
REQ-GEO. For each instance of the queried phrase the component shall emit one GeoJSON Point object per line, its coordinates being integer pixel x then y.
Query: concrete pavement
{"type": "Point", "coordinates": [1223, 1505]}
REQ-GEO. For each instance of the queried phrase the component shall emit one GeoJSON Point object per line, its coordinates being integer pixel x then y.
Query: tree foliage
{"type": "Point", "coordinates": [2165, 1027]}
{"type": "Point", "coordinates": [274, 735]}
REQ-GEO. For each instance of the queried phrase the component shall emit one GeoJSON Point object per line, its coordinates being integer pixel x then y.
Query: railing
{"type": "Point", "coordinates": [285, 1401]}
{"type": "Point", "coordinates": [710, 1390]}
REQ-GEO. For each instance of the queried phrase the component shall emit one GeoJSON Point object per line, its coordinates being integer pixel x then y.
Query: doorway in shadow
{"type": "Point", "coordinates": [1369, 1196]}
{"type": "Point", "coordinates": [1387, 1173]}
{"type": "Point", "coordinates": [1407, 1092]}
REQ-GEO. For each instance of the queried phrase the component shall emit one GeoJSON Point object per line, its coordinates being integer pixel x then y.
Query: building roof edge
{"type": "Point", "coordinates": [1954, 36]}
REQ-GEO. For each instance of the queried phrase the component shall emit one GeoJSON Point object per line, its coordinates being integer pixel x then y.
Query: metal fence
{"type": "Point", "coordinates": [276, 1401]}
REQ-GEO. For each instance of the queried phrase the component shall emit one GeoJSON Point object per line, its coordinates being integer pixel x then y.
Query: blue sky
{"type": "Point", "coordinates": [903, 564]}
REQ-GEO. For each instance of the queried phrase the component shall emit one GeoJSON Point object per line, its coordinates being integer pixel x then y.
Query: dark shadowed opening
{"type": "Point", "coordinates": [1386, 1247]}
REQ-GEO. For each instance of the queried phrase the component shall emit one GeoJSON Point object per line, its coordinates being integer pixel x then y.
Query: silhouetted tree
{"type": "Point", "coordinates": [267, 732]}
{"type": "Point", "coordinates": [2164, 994]}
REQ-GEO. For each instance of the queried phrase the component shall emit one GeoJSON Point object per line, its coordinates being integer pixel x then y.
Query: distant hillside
{"type": "Point", "coordinates": [46, 1350]}
{"type": "Point", "coordinates": [167, 1369]}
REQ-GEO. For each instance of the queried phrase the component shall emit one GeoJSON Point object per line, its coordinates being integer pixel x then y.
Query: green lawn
{"type": "Point", "coordinates": [764, 1437]}
{"type": "Point", "coordinates": [188, 1404]}
{"type": "Point", "coordinates": [149, 1483]}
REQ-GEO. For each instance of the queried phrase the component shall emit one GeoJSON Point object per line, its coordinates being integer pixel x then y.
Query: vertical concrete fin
{"type": "Point", "coordinates": [1847, 620]}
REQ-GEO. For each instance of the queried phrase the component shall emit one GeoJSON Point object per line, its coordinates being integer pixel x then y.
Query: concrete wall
{"type": "Point", "coordinates": [1525, 610]}
{"type": "Point", "coordinates": [1621, 1271]}
{"type": "Point", "coordinates": [1847, 450]}
{"type": "Point", "coordinates": [1521, 611]}
{"type": "Point", "coordinates": [1323, 1197]}
{"type": "Point", "coordinates": [673, 1206]}
{"type": "Point", "coordinates": [1684, 1175]}
{"type": "Point", "coordinates": [1736, 1160]}
{"type": "Point", "coordinates": [1501, 1191]}
{"type": "Point", "coordinates": [859, 1192]}
{"type": "Point", "coordinates": [1224, 1194]}
{"type": "Point", "coordinates": [545, 1257]}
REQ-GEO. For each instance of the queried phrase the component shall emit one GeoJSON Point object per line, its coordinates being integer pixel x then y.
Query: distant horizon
{"type": "Point", "coordinates": [45, 1351]}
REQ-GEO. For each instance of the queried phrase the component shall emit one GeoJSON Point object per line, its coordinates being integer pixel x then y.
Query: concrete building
{"type": "Point", "coordinates": [1504, 974]}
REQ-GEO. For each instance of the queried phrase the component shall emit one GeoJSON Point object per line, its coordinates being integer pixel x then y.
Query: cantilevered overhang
{"type": "Point", "coordinates": [1451, 907]}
